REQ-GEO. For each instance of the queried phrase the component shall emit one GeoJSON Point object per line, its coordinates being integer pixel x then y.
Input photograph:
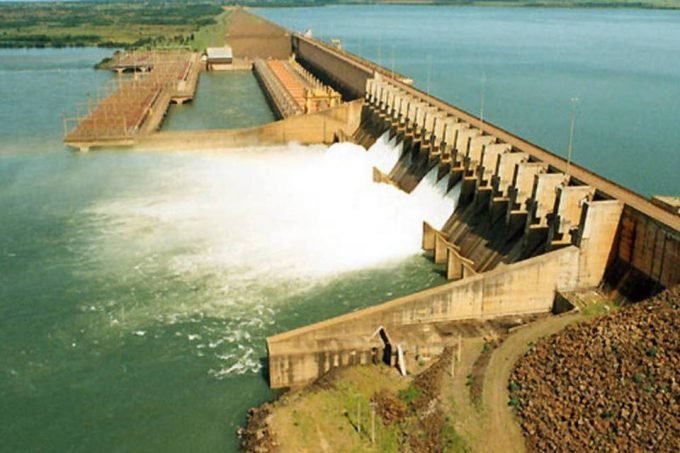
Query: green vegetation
{"type": "Point", "coordinates": [190, 23]}
{"type": "Point", "coordinates": [599, 308]}
{"type": "Point", "coordinates": [409, 394]}
{"type": "Point", "coordinates": [345, 404]}
{"type": "Point", "coordinates": [451, 440]}
{"type": "Point", "coordinates": [110, 24]}
{"type": "Point", "coordinates": [211, 34]}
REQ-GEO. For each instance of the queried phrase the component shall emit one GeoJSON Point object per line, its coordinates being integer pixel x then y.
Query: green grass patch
{"type": "Point", "coordinates": [212, 35]}
{"type": "Point", "coordinates": [451, 440]}
{"type": "Point", "coordinates": [599, 308]}
{"type": "Point", "coordinates": [409, 394]}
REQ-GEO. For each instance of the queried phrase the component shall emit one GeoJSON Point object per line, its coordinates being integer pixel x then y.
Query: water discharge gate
{"type": "Point", "coordinates": [525, 226]}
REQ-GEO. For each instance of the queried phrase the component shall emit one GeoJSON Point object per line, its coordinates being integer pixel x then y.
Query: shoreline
{"type": "Point", "coordinates": [26, 41]}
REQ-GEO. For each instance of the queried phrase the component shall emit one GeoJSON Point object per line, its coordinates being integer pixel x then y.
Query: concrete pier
{"type": "Point", "coordinates": [291, 89]}
{"type": "Point", "coordinates": [135, 107]}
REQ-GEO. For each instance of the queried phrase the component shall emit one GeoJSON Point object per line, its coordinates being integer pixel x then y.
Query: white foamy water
{"type": "Point", "coordinates": [440, 202]}
{"type": "Point", "coordinates": [284, 213]}
{"type": "Point", "coordinates": [385, 153]}
{"type": "Point", "coordinates": [239, 232]}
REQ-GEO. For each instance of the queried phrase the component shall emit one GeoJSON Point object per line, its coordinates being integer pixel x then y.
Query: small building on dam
{"type": "Point", "coordinates": [218, 58]}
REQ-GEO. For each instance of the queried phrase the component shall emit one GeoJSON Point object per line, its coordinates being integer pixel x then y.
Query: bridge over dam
{"type": "Point", "coordinates": [526, 226]}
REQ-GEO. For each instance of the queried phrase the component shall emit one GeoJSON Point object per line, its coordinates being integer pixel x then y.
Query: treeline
{"type": "Point", "coordinates": [94, 14]}
{"type": "Point", "coordinates": [103, 24]}
{"type": "Point", "coordinates": [53, 41]}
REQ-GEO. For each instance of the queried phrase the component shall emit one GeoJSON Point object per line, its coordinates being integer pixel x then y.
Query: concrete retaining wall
{"type": "Point", "coordinates": [321, 127]}
{"type": "Point", "coordinates": [301, 355]}
{"type": "Point", "coordinates": [645, 258]}
{"type": "Point", "coordinates": [251, 36]}
{"type": "Point", "coordinates": [342, 73]}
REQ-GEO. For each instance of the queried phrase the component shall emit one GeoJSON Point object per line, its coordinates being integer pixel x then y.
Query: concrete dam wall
{"type": "Point", "coordinates": [346, 72]}
{"type": "Point", "coordinates": [526, 226]}
{"type": "Point", "coordinates": [542, 198]}
{"type": "Point", "coordinates": [322, 127]}
{"type": "Point", "coordinates": [304, 354]}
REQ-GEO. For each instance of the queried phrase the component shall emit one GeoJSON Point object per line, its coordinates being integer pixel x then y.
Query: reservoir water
{"type": "Point", "coordinates": [136, 289]}
{"type": "Point", "coordinates": [623, 65]}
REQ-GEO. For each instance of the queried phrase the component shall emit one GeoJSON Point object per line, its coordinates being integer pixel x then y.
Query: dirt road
{"type": "Point", "coordinates": [503, 433]}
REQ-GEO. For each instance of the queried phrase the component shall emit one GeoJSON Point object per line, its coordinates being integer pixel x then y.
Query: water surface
{"type": "Point", "coordinates": [224, 100]}
{"type": "Point", "coordinates": [622, 64]}
{"type": "Point", "coordinates": [137, 289]}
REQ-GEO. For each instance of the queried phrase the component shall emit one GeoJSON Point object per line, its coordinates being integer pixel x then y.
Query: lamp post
{"type": "Point", "coordinates": [429, 73]}
{"type": "Point", "coordinates": [482, 82]}
{"type": "Point", "coordinates": [570, 147]}
{"type": "Point", "coordinates": [392, 61]}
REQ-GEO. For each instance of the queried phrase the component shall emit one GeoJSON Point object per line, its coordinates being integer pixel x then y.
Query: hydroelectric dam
{"type": "Point", "coordinates": [526, 230]}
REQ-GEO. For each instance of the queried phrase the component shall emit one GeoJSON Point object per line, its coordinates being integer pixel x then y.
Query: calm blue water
{"type": "Point", "coordinates": [623, 65]}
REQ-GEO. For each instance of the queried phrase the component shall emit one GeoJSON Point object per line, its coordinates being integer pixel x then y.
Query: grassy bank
{"type": "Point", "coordinates": [211, 34]}
{"type": "Point", "coordinates": [359, 409]}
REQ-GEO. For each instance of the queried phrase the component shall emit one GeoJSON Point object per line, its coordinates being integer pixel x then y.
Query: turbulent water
{"type": "Point", "coordinates": [136, 289]}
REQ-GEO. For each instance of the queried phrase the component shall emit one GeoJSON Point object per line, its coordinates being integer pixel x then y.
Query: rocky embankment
{"type": "Point", "coordinates": [612, 384]}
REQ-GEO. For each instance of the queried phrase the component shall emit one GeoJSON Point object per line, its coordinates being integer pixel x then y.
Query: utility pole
{"type": "Point", "coordinates": [460, 346]}
{"type": "Point", "coordinates": [392, 62]}
{"type": "Point", "coordinates": [574, 101]}
{"type": "Point", "coordinates": [372, 423]}
{"type": "Point", "coordinates": [482, 82]}
{"type": "Point", "coordinates": [359, 415]}
{"type": "Point", "coordinates": [429, 73]}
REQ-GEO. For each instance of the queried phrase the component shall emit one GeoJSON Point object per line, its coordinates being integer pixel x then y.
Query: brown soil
{"type": "Point", "coordinates": [479, 369]}
{"type": "Point", "coordinates": [425, 433]}
{"type": "Point", "coordinates": [251, 36]}
{"type": "Point", "coordinates": [608, 385]}
{"type": "Point", "coordinates": [388, 407]}
{"type": "Point", "coordinates": [500, 430]}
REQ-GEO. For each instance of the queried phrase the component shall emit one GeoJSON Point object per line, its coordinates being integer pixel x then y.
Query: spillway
{"type": "Point", "coordinates": [520, 225]}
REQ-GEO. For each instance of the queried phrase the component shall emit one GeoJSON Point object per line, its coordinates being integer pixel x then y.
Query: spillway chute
{"type": "Point", "coordinates": [385, 153]}
{"type": "Point", "coordinates": [435, 194]}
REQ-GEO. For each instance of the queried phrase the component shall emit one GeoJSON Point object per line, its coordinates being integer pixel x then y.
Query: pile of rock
{"type": "Point", "coordinates": [425, 432]}
{"type": "Point", "coordinates": [390, 408]}
{"type": "Point", "coordinates": [611, 384]}
{"type": "Point", "coordinates": [256, 436]}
